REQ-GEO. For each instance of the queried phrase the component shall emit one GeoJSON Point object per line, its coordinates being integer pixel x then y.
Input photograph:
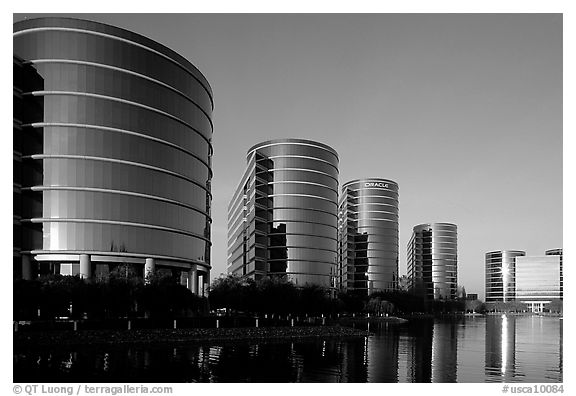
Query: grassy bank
{"type": "Point", "coordinates": [152, 336]}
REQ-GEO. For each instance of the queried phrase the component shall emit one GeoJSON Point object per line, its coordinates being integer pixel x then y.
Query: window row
{"type": "Point", "coordinates": [105, 144]}
{"type": "Point", "coordinates": [307, 175]}
{"type": "Point", "coordinates": [296, 148]}
{"type": "Point", "coordinates": [70, 77]}
{"type": "Point", "coordinates": [120, 238]}
{"type": "Point", "coordinates": [61, 204]}
{"type": "Point", "coordinates": [87, 47]}
{"type": "Point", "coordinates": [303, 163]}
{"type": "Point", "coordinates": [77, 109]}
{"type": "Point", "coordinates": [129, 178]}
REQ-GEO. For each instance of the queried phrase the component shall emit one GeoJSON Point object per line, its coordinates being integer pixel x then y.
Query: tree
{"type": "Point", "coordinates": [164, 297]}
{"type": "Point", "coordinates": [232, 292]}
{"type": "Point", "coordinates": [27, 297]}
{"type": "Point", "coordinates": [378, 306]}
{"type": "Point", "coordinates": [314, 299]}
{"type": "Point", "coordinates": [473, 305]}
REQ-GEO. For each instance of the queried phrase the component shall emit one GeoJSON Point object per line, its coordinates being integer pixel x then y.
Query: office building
{"type": "Point", "coordinates": [25, 79]}
{"type": "Point", "coordinates": [116, 154]}
{"type": "Point", "coordinates": [501, 275]}
{"type": "Point", "coordinates": [433, 261]}
{"type": "Point", "coordinates": [539, 280]}
{"type": "Point", "coordinates": [368, 236]}
{"type": "Point", "coordinates": [282, 219]}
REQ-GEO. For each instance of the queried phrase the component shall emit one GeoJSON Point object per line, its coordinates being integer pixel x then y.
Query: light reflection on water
{"type": "Point", "coordinates": [476, 349]}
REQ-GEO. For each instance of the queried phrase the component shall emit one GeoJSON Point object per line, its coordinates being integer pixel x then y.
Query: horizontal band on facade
{"type": "Point", "coordinates": [272, 209]}
{"type": "Point", "coordinates": [124, 101]}
{"type": "Point", "coordinates": [301, 195]}
{"type": "Point", "coordinates": [348, 213]}
{"type": "Point", "coordinates": [272, 157]}
{"type": "Point", "coordinates": [344, 207]}
{"type": "Point", "coordinates": [118, 130]}
{"type": "Point", "coordinates": [117, 161]}
{"type": "Point", "coordinates": [359, 199]}
{"type": "Point", "coordinates": [124, 40]}
{"type": "Point", "coordinates": [393, 251]}
{"type": "Point", "coordinates": [126, 71]}
{"type": "Point", "coordinates": [297, 182]}
{"type": "Point", "coordinates": [300, 222]}
{"type": "Point", "coordinates": [121, 192]}
{"type": "Point", "coordinates": [303, 170]}
{"type": "Point", "coordinates": [290, 142]}
{"type": "Point", "coordinates": [114, 222]}
{"type": "Point", "coordinates": [371, 219]}
{"type": "Point", "coordinates": [335, 239]}
{"type": "Point", "coordinates": [230, 251]}
{"type": "Point", "coordinates": [299, 273]}
{"type": "Point", "coordinates": [299, 247]}
{"type": "Point", "coordinates": [289, 260]}
{"type": "Point", "coordinates": [121, 254]}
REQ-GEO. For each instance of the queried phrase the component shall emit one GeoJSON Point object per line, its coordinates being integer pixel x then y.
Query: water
{"type": "Point", "coordinates": [472, 349]}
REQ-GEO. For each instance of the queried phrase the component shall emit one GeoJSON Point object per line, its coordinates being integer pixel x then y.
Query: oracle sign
{"type": "Point", "coordinates": [374, 184]}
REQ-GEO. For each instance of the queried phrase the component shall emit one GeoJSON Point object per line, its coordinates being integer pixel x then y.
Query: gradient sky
{"type": "Point", "coordinates": [463, 111]}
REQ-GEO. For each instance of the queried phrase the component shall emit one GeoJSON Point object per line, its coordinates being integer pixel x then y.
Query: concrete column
{"type": "Point", "coordinates": [85, 266]}
{"type": "Point", "coordinates": [201, 284]}
{"type": "Point", "coordinates": [193, 279]}
{"type": "Point", "coordinates": [149, 268]}
{"type": "Point", "coordinates": [26, 267]}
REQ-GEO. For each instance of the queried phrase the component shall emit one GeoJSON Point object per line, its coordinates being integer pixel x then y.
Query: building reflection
{"type": "Point", "coordinates": [500, 359]}
{"type": "Point", "coordinates": [354, 367]}
{"type": "Point", "coordinates": [382, 354]}
{"type": "Point", "coordinates": [560, 355]}
{"type": "Point", "coordinates": [419, 351]}
{"type": "Point", "coordinates": [445, 352]}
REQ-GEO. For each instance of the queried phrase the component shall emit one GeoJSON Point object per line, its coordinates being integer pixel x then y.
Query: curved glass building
{"type": "Point", "coordinates": [282, 219]}
{"type": "Point", "coordinates": [501, 275]}
{"type": "Point", "coordinates": [368, 243]}
{"type": "Point", "coordinates": [433, 261]}
{"type": "Point", "coordinates": [116, 167]}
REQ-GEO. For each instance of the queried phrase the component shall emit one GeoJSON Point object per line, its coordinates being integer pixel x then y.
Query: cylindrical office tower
{"type": "Point", "coordinates": [368, 243]}
{"type": "Point", "coordinates": [433, 261]}
{"type": "Point", "coordinates": [501, 275]}
{"type": "Point", "coordinates": [283, 217]}
{"type": "Point", "coordinates": [118, 164]}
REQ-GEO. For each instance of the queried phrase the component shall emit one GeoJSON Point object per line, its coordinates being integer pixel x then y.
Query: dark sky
{"type": "Point", "coordinates": [464, 111]}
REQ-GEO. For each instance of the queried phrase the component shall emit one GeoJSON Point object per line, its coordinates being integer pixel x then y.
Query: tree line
{"type": "Point", "coordinates": [124, 294]}
{"type": "Point", "coordinates": [120, 295]}
{"type": "Point", "coordinates": [279, 295]}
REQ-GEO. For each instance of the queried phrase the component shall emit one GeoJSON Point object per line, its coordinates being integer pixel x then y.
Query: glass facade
{"type": "Point", "coordinates": [282, 219]}
{"type": "Point", "coordinates": [501, 275]}
{"type": "Point", "coordinates": [368, 236]}
{"type": "Point", "coordinates": [538, 278]}
{"type": "Point", "coordinates": [121, 164]}
{"type": "Point", "coordinates": [433, 261]}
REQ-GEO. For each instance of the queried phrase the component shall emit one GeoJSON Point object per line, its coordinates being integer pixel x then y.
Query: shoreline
{"type": "Point", "coordinates": [177, 336]}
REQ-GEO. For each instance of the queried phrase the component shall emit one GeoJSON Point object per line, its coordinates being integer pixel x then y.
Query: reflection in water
{"type": "Point", "coordinates": [511, 349]}
{"type": "Point", "coordinates": [382, 354]}
{"type": "Point", "coordinates": [444, 352]}
{"type": "Point", "coordinates": [500, 347]}
{"type": "Point", "coordinates": [354, 361]}
{"type": "Point", "coordinates": [420, 346]}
